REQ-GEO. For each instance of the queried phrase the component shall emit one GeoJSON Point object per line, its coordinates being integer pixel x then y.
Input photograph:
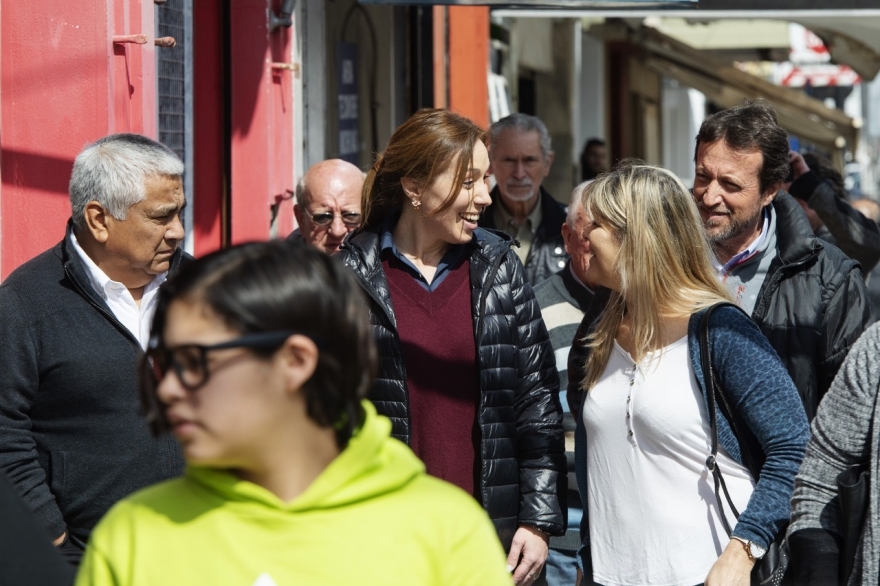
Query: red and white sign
{"type": "Point", "coordinates": [806, 47]}
{"type": "Point", "coordinates": [815, 75]}
{"type": "Point", "coordinates": [810, 63]}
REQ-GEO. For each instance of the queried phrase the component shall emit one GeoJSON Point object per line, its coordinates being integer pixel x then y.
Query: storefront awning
{"type": "Point", "coordinates": [727, 86]}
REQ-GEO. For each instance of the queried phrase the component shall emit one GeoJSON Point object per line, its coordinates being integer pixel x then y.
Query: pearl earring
{"type": "Point", "coordinates": [416, 203]}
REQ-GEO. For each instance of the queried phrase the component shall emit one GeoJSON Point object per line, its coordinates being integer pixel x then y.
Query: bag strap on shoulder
{"type": "Point", "coordinates": [712, 400]}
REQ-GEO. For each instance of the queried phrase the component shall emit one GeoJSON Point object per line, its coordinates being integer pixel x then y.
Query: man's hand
{"type": "Point", "coordinates": [732, 568]}
{"type": "Point", "coordinates": [798, 165]}
{"type": "Point", "coordinates": [60, 540]}
{"type": "Point", "coordinates": [527, 555]}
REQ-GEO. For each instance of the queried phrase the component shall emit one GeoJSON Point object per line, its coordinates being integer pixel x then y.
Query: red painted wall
{"type": "Point", "coordinates": [63, 84]}
{"type": "Point", "coordinates": [469, 62]}
{"type": "Point", "coordinates": [261, 146]}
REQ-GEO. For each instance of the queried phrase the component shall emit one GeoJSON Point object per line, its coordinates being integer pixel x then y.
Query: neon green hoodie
{"type": "Point", "coordinates": [372, 517]}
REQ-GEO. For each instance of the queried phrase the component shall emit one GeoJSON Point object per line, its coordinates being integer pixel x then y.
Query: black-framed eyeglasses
{"type": "Point", "coordinates": [190, 361]}
{"type": "Point", "coordinates": [350, 219]}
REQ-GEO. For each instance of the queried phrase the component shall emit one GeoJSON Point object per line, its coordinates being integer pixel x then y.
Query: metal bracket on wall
{"type": "Point", "coordinates": [136, 39]}
{"type": "Point", "coordinates": [294, 67]}
{"type": "Point", "coordinates": [283, 18]}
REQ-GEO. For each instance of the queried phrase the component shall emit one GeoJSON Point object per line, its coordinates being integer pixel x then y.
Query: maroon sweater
{"type": "Point", "coordinates": [436, 332]}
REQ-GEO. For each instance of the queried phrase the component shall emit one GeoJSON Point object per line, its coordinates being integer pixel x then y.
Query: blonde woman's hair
{"type": "Point", "coordinates": [664, 264]}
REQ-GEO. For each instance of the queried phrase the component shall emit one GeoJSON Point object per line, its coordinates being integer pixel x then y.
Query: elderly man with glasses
{"type": "Point", "coordinates": [328, 204]}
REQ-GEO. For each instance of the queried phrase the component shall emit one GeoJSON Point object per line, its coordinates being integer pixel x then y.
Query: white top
{"type": "Point", "coordinates": [136, 320]}
{"type": "Point", "coordinates": [653, 513]}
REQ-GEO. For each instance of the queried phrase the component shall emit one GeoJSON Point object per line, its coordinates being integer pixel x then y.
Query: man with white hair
{"type": "Point", "coordinates": [520, 154]}
{"type": "Point", "coordinates": [563, 299]}
{"type": "Point", "coordinates": [73, 323]}
{"type": "Point", "coordinates": [328, 204]}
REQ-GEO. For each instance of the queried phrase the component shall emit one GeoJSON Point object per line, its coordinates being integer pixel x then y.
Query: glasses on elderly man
{"type": "Point", "coordinates": [350, 219]}
{"type": "Point", "coordinates": [190, 361]}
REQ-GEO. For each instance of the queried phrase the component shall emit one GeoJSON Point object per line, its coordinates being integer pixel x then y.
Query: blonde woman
{"type": "Point", "coordinates": [651, 511]}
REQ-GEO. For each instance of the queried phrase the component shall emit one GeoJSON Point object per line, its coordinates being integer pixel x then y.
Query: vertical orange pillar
{"type": "Point", "coordinates": [469, 62]}
{"type": "Point", "coordinates": [440, 55]}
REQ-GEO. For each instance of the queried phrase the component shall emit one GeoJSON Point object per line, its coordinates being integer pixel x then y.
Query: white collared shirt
{"type": "Point", "coordinates": [136, 320]}
{"type": "Point", "coordinates": [749, 252]}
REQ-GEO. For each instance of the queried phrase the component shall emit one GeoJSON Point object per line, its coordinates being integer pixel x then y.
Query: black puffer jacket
{"type": "Point", "coordinates": [547, 254]}
{"type": "Point", "coordinates": [522, 454]}
{"type": "Point", "coordinates": [813, 305]}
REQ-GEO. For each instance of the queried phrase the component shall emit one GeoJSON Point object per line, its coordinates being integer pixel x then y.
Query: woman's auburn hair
{"type": "Point", "coordinates": [421, 149]}
{"type": "Point", "coordinates": [664, 261]}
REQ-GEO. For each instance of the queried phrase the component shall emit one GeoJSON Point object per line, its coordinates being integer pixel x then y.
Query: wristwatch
{"type": "Point", "coordinates": [753, 550]}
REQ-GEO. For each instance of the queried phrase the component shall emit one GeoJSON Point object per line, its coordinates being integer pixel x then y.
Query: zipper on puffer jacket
{"type": "Point", "coordinates": [481, 310]}
{"type": "Point", "coordinates": [367, 286]}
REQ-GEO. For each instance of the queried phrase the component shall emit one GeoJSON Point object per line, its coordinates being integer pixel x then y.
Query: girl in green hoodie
{"type": "Point", "coordinates": [259, 359]}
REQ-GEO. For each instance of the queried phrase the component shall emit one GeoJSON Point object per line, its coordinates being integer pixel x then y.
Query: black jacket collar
{"type": "Point", "coordinates": [552, 214]}
{"type": "Point", "coordinates": [578, 292]}
{"type": "Point", "coordinates": [795, 241]}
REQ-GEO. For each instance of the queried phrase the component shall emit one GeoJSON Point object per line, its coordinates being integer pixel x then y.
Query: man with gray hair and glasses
{"type": "Point", "coordinates": [520, 155]}
{"type": "Point", "coordinates": [73, 324]}
{"type": "Point", "coordinates": [328, 204]}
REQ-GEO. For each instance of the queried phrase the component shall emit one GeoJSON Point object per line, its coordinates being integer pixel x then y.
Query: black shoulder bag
{"type": "Point", "coordinates": [771, 568]}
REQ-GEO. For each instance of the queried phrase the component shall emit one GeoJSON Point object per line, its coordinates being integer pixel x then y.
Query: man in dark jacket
{"type": "Point", "coordinates": [563, 299]}
{"type": "Point", "coordinates": [73, 322]}
{"type": "Point", "coordinates": [521, 155]}
{"type": "Point", "coordinates": [807, 297]}
{"type": "Point", "coordinates": [818, 187]}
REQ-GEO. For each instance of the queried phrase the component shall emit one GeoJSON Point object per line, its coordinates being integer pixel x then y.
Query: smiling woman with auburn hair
{"type": "Point", "coordinates": [467, 374]}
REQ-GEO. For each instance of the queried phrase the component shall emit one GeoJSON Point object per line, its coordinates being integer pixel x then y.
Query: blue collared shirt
{"type": "Point", "coordinates": [449, 261]}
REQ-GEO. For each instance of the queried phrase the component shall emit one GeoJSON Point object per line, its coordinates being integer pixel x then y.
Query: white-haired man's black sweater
{"type": "Point", "coordinates": [73, 436]}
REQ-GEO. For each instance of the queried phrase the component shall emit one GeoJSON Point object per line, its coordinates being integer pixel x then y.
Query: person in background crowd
{"type": "Point", "coordinates": [28, 555]}
{"type": "Point", "coordinates": [871, 210]}
{"type": "Point", "coordinates": [328, 204]}
{"type": "Point", "coordinates": [868, 208]}
{"type": "Point", "coordinates": [594, 159]}
{"type": "Point", "coordinates": [259, 360]}
{"type": "Point", "coordinates": [563, 299]}
{"type": "Point", "coordinates": [643, 440]}
{"type": "Point", "coordinates": [846, 435]}
{"type": "Point", "coordinates": [72, 323]}
{"type": "Point", "coordinates": [808, 298]}
{"type": "Point", "coordinates": [818, 187]}
{"type": "Point", "coordinates": [466, 372]}
{"type": "Point", "coordinates": [521, 155]}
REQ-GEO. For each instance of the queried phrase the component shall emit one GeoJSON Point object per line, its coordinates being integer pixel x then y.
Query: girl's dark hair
{"type": "Point", "coordinates": [749, 127]}
{"type": "Point", "coordinates": [281, 285]}
{"type": "Point", "coordinates": [422, 148]}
